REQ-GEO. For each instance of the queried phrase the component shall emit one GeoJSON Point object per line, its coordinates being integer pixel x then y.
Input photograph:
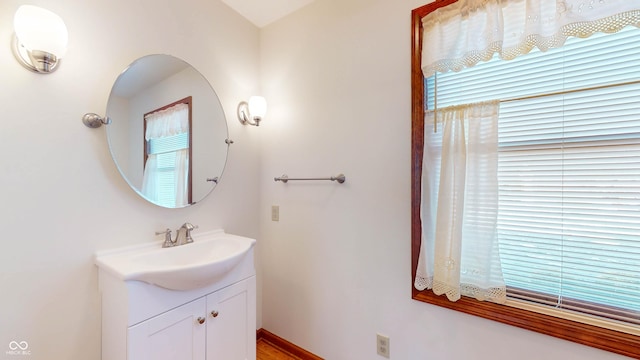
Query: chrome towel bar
{"type": "Point", "coordinates": [340, 178]}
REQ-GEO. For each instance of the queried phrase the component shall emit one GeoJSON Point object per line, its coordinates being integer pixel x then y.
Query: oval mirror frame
{"type": "Point", "coordinates": [151, 84]}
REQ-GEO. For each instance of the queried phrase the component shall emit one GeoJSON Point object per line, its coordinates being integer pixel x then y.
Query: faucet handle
{"type": "Point", "coordinates": [189, 227]}
{"type": "Point", "coordinates": [167, 238]}
{"type": "Point", "coordinates": [168, 231]}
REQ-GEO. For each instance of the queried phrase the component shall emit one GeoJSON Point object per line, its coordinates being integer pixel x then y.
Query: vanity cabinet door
{"type": "Point", "coordinates": [231, 322]}
{"type": "Point", "coordinates": [178, 334]}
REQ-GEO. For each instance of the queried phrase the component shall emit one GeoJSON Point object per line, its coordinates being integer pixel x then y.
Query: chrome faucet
{"type": "Point", "coordinates": [182, 237]}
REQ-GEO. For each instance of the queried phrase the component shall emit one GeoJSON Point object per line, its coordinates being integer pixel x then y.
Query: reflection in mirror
{"type": "Point", "coordinates": [167, 150]}
{"type": "Point", "coordinates": [166, 179]}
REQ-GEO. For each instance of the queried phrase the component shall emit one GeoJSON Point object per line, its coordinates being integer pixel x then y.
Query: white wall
{"type": "Point", "coordinates": [336, 267]}
{"type": "Point", "coordinates": [61, 196]}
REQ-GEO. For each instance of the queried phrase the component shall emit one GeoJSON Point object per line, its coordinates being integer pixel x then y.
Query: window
{"type": "Point", "coordinates": [569, 182]}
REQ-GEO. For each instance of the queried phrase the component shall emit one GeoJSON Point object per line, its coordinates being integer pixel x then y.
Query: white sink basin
{"type": "Point", "coordinates": [205, 261]}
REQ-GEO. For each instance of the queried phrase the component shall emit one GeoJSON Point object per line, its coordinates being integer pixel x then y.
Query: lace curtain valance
{"type": "Point", "coordinates": [468, 31]}
{"type": "Point", "coordinates": [167, 122]}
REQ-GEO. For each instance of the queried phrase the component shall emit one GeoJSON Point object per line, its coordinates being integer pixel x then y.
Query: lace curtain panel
{"type": "Point", "coordinates": [150, 187]}
{"type": "Point", "coordinates": [181, 177]}
{"type": "Point", "coordinates": [468, 31]}
{"type": "Point", "coordinates": [149, 178]}
{"type": "Point", "coordinates": [459, 253]}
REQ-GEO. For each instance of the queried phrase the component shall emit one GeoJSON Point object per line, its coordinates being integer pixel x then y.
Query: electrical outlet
{"type": "Point", "coordinates": [275, 213]}
{"type": "Point", "coordinates": [383, 345]}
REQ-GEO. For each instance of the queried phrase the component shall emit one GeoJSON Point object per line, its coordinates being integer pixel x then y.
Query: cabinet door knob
{"type": "Point", "coordinates": [214, 313]}
{"type": "Point", "coordinates": [201, 320]}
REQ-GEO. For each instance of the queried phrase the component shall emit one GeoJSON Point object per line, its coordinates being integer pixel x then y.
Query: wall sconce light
{"type": "Point", "coordinates": [252, 112]}
{"type": "Point", "coordinates": [40, 38]}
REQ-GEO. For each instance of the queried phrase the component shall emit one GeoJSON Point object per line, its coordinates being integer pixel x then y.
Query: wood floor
{"type": "Point", "coordinates": [268, 351]}
{"type": "Point", "coordinates": [270, 346]}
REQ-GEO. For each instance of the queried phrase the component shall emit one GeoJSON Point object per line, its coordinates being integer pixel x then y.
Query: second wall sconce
{"type": "Point", "coordinates": [40, 38]}
{"type": "Point", "coordinates": [252, 112]}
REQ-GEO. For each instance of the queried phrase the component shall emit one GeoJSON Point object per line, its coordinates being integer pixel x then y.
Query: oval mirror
{"type": "Point", "coordinates": [168, 133]}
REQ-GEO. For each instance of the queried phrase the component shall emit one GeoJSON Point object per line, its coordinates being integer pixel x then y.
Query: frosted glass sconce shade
{"type": "Point", "coordinates": [251, 113]}
{"type": "Point", "coordinates": [40, 38]}
{"type": "Point", "coordinates": [257, 106]}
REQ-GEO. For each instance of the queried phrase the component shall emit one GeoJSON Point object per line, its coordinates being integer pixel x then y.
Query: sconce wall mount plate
{"type": "Point", "coordinates": [244, 116]}
{"type": "Point", "coordinates": [37, 61]}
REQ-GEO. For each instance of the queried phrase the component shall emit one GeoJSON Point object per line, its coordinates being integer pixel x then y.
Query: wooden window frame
{"type": "Point", "coordinates": [590, 335]}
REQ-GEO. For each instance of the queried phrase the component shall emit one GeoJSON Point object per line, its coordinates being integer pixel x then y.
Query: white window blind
{"type": "Point", "coordinates": [569, 170]}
